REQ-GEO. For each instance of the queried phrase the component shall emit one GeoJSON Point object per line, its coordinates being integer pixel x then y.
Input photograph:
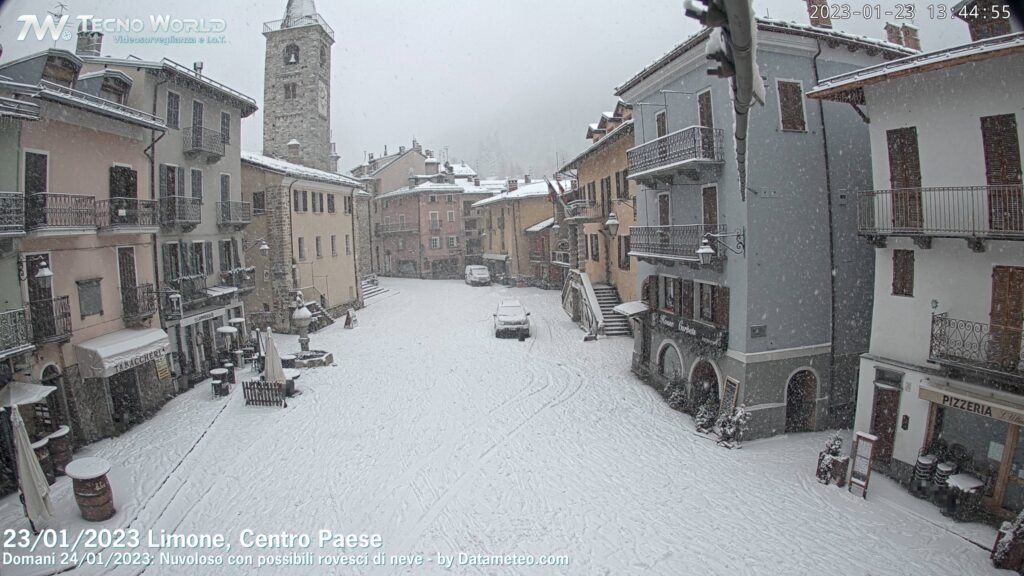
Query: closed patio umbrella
{"type": "Point", "coordinates": [273, 371]}
{"type": "Point", "coordinates": [19, 393]}
{"type": "Point", "coordinates": [31, 479]}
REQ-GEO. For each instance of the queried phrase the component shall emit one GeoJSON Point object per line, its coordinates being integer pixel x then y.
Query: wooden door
{"type": "Point", "coordinates": [710, 207]}
{"type": "Point", "coordinates": [1006, 317]}
{"type": "Point", "coordinates": [663, 210]}
{"type": "Point", "coordinates": [662, 127]}
{"type": "Point", "coordinates": [707, 123]}
{"type": "Point", "coordinates": [905, 177]}
{"type": "Point", "coordinates": [883, 420]}
{"type": "Point", "coordinates": [1003, 172]}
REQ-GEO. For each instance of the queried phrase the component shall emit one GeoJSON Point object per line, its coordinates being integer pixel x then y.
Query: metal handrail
{"type": "Point", "coordinates": [985, 347]}
{"type": "Point", "coordinates": [399, 228]}
{"type": "Point", "coordinates": [200, 139]}
{"type": "Point", "coordinates": [675, 241]}
{"type": "Point", "coordinates": [181, 210]}
{"type": "Point", "coordinates": [12, 213]}
{"type": "Point", "coordinates": [297, 22]}
{"type": "Point", "coordinates": [46, 209]}
{"type": "Point", "coordinates": [234, 212]}
{"type": "Point", "coordinates": [694, 143]}
{"type": "Point", "coordinates": [994, 211]}
{"type": "Point", "coordinates": [128, 212]}
{"type": "Point", "coordinates": [51, 319]}
{"type": "Point", "coordinates": [15, 330]}
{"type": "Point", "coordinates": [138, 301]}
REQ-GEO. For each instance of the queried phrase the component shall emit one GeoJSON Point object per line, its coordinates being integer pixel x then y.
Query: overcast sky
{"type": "Point", "coordinates": [515, 78]}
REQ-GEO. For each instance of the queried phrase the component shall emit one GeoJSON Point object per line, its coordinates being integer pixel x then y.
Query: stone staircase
{"type": "Point", "coordinates": [371, 288]}
{"type": "Point", "coordinates": [615, 324]}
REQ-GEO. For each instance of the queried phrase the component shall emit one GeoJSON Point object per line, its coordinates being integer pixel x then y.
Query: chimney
{"type": "Point", "coordinates": [513, 184]}
{"type": "Point", "coordinates": [198, 67]}
{"type": "Point", "coordinates": [294, 151]}
{"type": "Point", "coordinates": [910, 37]}
{"type": "Point", "coordinates": [476, 181]}
{"type": "Point", "coordinates": [416, 145]}
{"type": "Point", "coordinates": [893, 33]}
{"type": "Point", "coordinates": [370, 159]}
{"type": "Point", "coordinates": [89, 41]}
{"type": "Point", "coordinates": [412, 181]}
{"type": "Point", "coordinates": [401, 149]}
{"type": "Point", "coordinates": [818, 12]}
{"type": "Point", "coordinates": [385, 149]}
{"type": "Point", "coordinates": [526, 179]}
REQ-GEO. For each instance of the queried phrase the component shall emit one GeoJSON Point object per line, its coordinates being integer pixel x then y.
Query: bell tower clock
{"type": "Point", "coordinates": [297, 86]}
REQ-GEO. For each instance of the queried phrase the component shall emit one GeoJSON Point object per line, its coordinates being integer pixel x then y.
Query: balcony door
{"type": "Point", "coordinates": [905, 177]}
{"type": "Point", "coordinates": [1003, 172]}
{"type": "Point", "coordinates": [661, 123]}
{"type": "Point", "coordinates": [128, 280]}
{"type": "Point", "coordinates": [197, 124]}
{"type": "Point", "coordinates": [707, 122]}
{"type": "Point", "coordinates": [709, 201]}
{"type": "Point", "coordinates": [1006, 317]}
{"type": "Point", "coordinates": [663, 210]}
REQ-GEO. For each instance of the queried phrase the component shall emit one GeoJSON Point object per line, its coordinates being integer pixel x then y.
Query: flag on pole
{"type": "Point", "coordinates": [560, 189]}
{"type": "Point", "coordinates": [551, 191]}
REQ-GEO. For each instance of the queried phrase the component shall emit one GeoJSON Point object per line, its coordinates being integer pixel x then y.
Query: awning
{"type": "Point", "coordinates": [19, 393]}
{"type": "Point", "coordinates": [106, 355]}
{"type": "Point", "coordinates": [540, 226]}
{"type": "Point", "coordinates": [633, 308]}
{"type": "Point", "coordinates": [501, 257]}
{"type": "Point", "coordinates": [980, 403]}
{"type": "Point", "coordinates": [215, 291]}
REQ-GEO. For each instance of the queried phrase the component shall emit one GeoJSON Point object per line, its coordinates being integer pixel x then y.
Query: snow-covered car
{"type": "Point", "coordinates": [511, 319]}
{"type": "Point", "coordinates": [478, 276]}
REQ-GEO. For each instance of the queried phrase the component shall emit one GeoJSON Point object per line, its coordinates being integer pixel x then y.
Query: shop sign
{"type": "Point", "coordinates": [703, 333]}
{"type": "Point", "coordinates": [163, 368]}
{"type": "Point", "coordinates": [139, 360]}
{"type": "Point", "coordinates": [976, 406]}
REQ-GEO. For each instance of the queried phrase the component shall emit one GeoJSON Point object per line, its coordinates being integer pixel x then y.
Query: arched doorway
{"type": "Point", "coordinates": [704, 384]}
{"type": "Point", "coordinates": [670, 365]}
{"type": "Point", "coordinates": [801, 390]}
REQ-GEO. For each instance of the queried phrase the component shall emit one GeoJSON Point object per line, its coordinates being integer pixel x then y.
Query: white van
{"type": "Point", "coordinates": [477, 276]}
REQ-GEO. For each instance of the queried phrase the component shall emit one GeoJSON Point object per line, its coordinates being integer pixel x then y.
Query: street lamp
{"type": "Point", "coordinates": [612, 224]}
{"type": "Point", "coordinates": [705, 252]}
{"type": "Point", "coordinates": [44, 271]}
{"type": "Point", "coordinates": [261, 243]}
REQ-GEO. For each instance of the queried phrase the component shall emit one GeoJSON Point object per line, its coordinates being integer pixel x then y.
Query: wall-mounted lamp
{"type": "Point", "coordinates": [43, 272]}
{"type": "Point", "coordinates": [706, 251]}
{"type": "Point", "coordinates": [612, 224]}
{"type": "Point", "coordinates": [260, 243]}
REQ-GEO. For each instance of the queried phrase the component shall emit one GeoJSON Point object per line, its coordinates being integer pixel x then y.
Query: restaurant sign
{"type": "Point", "coordinates": [961, 401]}
{"type": "Point", "coordinates": [704, 333]}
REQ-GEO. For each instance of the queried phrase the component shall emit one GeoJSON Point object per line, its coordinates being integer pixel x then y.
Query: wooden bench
{"type": "Point", "coordinates": [262, 393]}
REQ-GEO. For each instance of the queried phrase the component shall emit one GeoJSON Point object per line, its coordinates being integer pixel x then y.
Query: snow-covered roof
{"type": "Point", "coordinates": [542, 225]}
{"type": "Point", "coordinates": [524, 191]}
{"type": "Point", "coordinates": [423, 188]}
{"type": "Point", "coordinates": [97, 105]}
{"type": "Point", "coordinates": [463, 170]}
{"type": "Point", "coordinates": [299, 9]}
{"type": "Point", "coordinates": [768, 25]}
{"type": "Point", "coordinates": [470, 187]}
{"type": "Point", "coordinates": [848, 87]}
{"type": "Point", "coordinates": [297, 170]}
{"type": "Point", "coordinates": [622, 129]}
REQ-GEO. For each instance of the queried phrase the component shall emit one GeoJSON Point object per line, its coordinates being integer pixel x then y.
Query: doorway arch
{"type": "Point", "coordinates": [670, 363]}
{"type": "Point", "coordinates": [704, 383]}
{"type": "Point", "coordinates": [801, 392]}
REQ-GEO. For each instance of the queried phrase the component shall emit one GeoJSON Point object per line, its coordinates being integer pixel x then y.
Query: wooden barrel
{"type": "Point", "coordinates": [92, 490]}
{"type": "Point", "coordinates": [60, 449]}
{"type": "Point", "coordinates": [42, 450]}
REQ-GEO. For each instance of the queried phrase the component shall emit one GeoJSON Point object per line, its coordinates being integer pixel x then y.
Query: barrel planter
{"type": "Point", "coordinates": [60, 449]}
{"type": "Point", "coordinates": [92, 490]}
{"type": "Point", "coordinates": [42, 450]}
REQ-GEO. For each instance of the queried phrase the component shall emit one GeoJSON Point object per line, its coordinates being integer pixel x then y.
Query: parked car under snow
{"type": "Point", "coordinates": [477, 276]}
{"type": "Point", "coordinates": [511, 319]}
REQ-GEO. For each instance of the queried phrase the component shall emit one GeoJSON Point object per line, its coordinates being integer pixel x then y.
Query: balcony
{"type": "Point", "coordinates": [192, 291]}
{"type": "Point", "coordinates": [127, 216]}
{"type": "Point", "coordinates": [51, 320]}
{"type": "Point", "coordinates": [240, 278]}
{"type": "Point", "coordinates": [15, 335]}
{"type": "Point", "coordinates": [400, 228]}
{"type": "Point", "coordinates": [974, 213]}
{"type": "Point", "coordinates": [12, 214]}
{"type": "Point", "coordinates": [235, 214]}
{"type": "Point", "coordinates": [671, 243]}
{"type": "Point", "coordinates": [583, 211]}
{"type": "Point", "coordinates": [60, 214]}
{"type": "Point", "coordinates": [183, 212]}
{"type": "Point", "coordinates": [560, 258]}
{"type": "Point", "coordinates": [975, 347]}
{"type": "Point", "coordinates": [138, 303]}
{"type": "Point", "coordinates": [297, 22]}
{"type": "Point", "coordinates": [694, 152]}
{"type": "Point", "coordinates": [434, 225]}
{"type": "Point", "coordinates": [203, 143]}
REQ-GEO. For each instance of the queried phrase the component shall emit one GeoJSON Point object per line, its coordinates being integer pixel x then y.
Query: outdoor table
{"type": "Point", "coordinates": [288, 361]}
{"type": "Point", "coordinates": [220, 376]}
{"type": "Point", "coordinates": [230, 367]}
{"type": "Point", "coordinates": [290, 375]}
{"type": "Point", "coordinates": [92, 490]}
{"type": "Point", "coordinates": [42, 450]}
{"type": "Point", "coordinates": [60, 449]}
{"type": "Point", "coordinates": [239, 358]}
{"type": "Point", "coordinates": [959, 485]}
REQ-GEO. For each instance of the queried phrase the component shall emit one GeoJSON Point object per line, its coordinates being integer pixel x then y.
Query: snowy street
{"type": "Point", "coordinates": [443, 439]}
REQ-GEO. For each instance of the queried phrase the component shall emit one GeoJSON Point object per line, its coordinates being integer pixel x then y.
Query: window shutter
{"type": "Point", "coordinates": [687, 296]}
{"type": "Point", "coordinates": [163, 180]}
{"type": "Point", "coordinates": [131, 183]}
{"type": "Point", "coordinates": [234, 252]}
{"type": "Point", "coordinates": [166, 254]}
{"type": "Point", "coordinates": [651, 292]}
{"type": "Point", "coordinates": [791, 106]}
{"type": "Point", "coordinates": [185, 257]}
{"type": "Point", "coordinates": [223, 254]}
{"type": "Point", "coordinates": [208, 250]}
{"type": "Point", "coordinates": [720, 306]}
{"type": "Point", "coordinates": [115, 182]}
{"type": "Point", "coordinates": [180, 181]}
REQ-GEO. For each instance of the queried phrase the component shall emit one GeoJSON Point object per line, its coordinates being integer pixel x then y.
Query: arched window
{"type": "Point", "coordinates": [669, 365]}
{"type": "Point", "coordinates": [291, 54]}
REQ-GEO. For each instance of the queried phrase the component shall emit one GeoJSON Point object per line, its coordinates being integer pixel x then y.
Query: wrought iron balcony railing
{"type": "Point", "coordinates": [689, 145]}
{"type": "Point", "coordinates": [296, 22]}
{"type": "Point", "coordinates": [400, 228]}
{"type": "Point", "coordinates": [137, 302]}
{"type": "Point", "coordinates": [434, 224]}
{"type": "Point", "coordinates": [995, 212]}
{"type": "Point", "coordinates": [15, 332]}
{"type": "Point", "coordinates": [181, 210]}
{"type": "Point", "coordinates": [977, 346]}
{"type": "Point", "coordinates": [234, 213]}
{"type": "Point", "coordinates": [584, 210]}
{"type": "Point", "coordinates": [260, 319]}
{"type": "Point", "coordinates": [51, 320]}
{"type": "Point", "coordinates": [671, 242]}
{"type": "Point", "coordinates": [203, 141]}
{"type": "Point", "coordinates": [12, 214]}
{"type": "Point", "coordinates": [60, 211]}
{"type": "Point", "coordinates": [191, 291]}
{"type": "Point", "coordinates": [122, 213]}
{"type": "Point", "coordinates": [241, 278]}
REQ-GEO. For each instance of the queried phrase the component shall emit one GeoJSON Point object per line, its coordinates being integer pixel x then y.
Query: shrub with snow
{"type": "Point", "coordinates": [826, 460]}
{"type": "Point", "coordinates": [677, 397]}
{"type": "Point", "coordinates": [706, 414]}
{"type": "Point", "coordinates": [732, 425]}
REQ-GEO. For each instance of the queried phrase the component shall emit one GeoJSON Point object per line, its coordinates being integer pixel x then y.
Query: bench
{"type": "Point", "coordinates": [263, 393]}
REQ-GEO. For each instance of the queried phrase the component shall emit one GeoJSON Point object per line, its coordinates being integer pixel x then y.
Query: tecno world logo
{"type": "Point", "coordinates": [56, 27]}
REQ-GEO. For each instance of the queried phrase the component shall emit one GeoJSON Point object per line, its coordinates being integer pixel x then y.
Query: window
{"type": "Point", "coordinates": [903, 272]}
{"type": "Point", "coordinates": [449, 199]}
{"type": "Point", "coordinates": [124, 182]}
{"type": "Point", "coordinates": [323, 55]}
{"type": "Point", "coordinates": [595, 251]}
{"type": "Point", "coordinates": [435, 221]}
{"type": "Point", "coordinates": [291, 54]}
{"type": "Point", "coordinates": [225, 127]}
{"type": "Point", "coordinates": [259, 202]}
{"type": "Point", "coordinates": [451, 215]}
{"type": "Point", "coordinates": [705, 293]}
{"type": "Point", "coordinates": [330, 203]}
{"type": "Point", "coordinates": [661, 123]}
{"type": "Point", "coordinates": [623, 247]}
{"type": "Point", "coordinates": [791, 106]}
{"type": "Point", "coordinates": [334, 245]}
{"type": "Point", "coordinates": [670, 293]}
{"type": "Point", "coordinates": [172, 180]}
{"type": "Point", "coordinates": [197, 183]}
{"type": "Point", "coordinates": [348, 245]}
{"type": "Point", "coordinates": [197, 264]}
{"type": "Point", "coordinates": [90, 298]}
{"type": "Point", "coordinates": [302, 248]}
{"type": "Point", "coordinates": [36, 172]}
{"type": "Point", "coordinates": [433, 199]}
{"type": "Point", "coordinates": [305, 201]}
{"type": "Point", "coordinates": [401, 243]}
{"type": "Point", "coordinates": [348, 204]}
{"type": "Point", "coordinates": [319, 248]}
{"type": "Point", "coordinates": [435, 242]}
{"type": "Point", "coordinates": [173, 110]}
{"type": "Point", "coordinates": [226, 260]}
{"type": "Point", "coordinates": [296, 201]}
{"type": "Point", "coordinates": [713, 304]}
{"type": "Point", "coordinates": [225, 187]}
{"type": "Point", "coordinates": [291, 90]}
{"type": "Point", "coordinates": [453, 241]}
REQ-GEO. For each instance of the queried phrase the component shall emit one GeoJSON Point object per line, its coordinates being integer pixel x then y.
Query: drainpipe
{"type": "Point", "coordinates": [150, 152]}
{"type": "Point", "coordinates": [355, 250]}
{"type": "Point", "coordinates": [831, 246]}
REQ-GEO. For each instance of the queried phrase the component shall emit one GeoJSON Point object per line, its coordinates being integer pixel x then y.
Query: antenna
{"type": "Point", "coordinates": [58, 15]}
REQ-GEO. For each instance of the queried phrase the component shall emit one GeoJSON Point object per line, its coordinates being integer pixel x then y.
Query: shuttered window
{"type": "Point", "coordinates": [903, 272]}
{"type": "Point", "coordinates": [124, 182]}
{"type": "Point", "coordinates": [36, 172]}
{"type": "Point", "coordinates": [197, 183]}
{"type": "Point", "coordinates": [791, 106]}
{"type": "Point", "coordinates": [720, 306]}
{"type": "Point", "coordinates": [687, 298]}
{"type": "Point", "coordinates": [225, 127]}
{"type": "Point", "coordinates": [90, 299]}
{"type": "Point", "coordinates": [173, 109]}
{"type": "Point", "coordinates": [330, 204]}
